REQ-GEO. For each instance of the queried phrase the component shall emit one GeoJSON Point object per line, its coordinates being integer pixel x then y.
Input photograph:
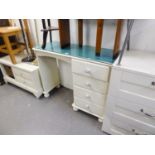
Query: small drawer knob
{"type": "Point", "coordinates": [88, 84]}
{"type": "Point", "coordinates": [133, 130]}
{"type": "Point", "coordinates": [153, 83]}
{"type": "Point", "coordinates": [87, 96]}
{"type": "Point", "coordinates": [87, 106]}
{"type": "Point", "coordinates": [88, 70]}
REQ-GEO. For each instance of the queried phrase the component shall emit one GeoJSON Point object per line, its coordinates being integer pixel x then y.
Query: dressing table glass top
{"type": "Point", "coordinates": [86, 52]}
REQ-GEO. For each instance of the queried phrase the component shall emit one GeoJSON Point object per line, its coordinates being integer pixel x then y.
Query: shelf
{"type": "Point", "coordinates": [86, 52]}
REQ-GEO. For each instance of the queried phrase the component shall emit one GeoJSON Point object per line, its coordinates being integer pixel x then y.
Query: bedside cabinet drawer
{"type": "Point", "coordinates": [24, 81]}
{"type": "Point", "coordinates": [100, 72]}
{"type": "Point", "coordinates": [90, 84]}
{"type": "Point", "coordinates": [22, 73]}
{"type": "Point", "coordinates": [89, 96]}
{"type": "Point", "coordinates": [88, 107]}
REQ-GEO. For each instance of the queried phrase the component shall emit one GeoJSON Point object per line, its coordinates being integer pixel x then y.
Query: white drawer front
{"type": "Point", "coordinates": [89, 83]}
{"type": "Point", "coordinates": [92, 70]}
{"type": "Point", "coordinates": [138, 84]}
{"type": "Point", "coordinates": [23, 74]}
{"type": "Point", "coordinates": [88, 107]}
{"type": "Point", "coordinates": [132, 125]}
{"type": "Point", "coordinates": [142, 106]}
{"type": "Point", "coordinates": [139, 79]}
{"type": "Point", "coordinates": [24, 81]}
{"type": "Point", "coordinates": [89, 96]}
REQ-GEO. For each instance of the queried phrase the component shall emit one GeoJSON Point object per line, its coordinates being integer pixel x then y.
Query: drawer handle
{"type": "Point", "coordinates": [141, 110]}
{"type": "Point", "coordinates": [134, 131]}
{"type": "Point", "coordinates": [153, 83]}
{"type": "Point", "coordinates": [87, 70]}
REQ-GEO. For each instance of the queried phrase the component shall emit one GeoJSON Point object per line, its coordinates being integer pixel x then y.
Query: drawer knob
{"type": "Point", "coordinates": [87, 70]}
{"type": "Point", "coordinates": [133, 130]}
{"type": "Point", "coordinates": [88, 84]}
{"type": "Point", "coordinates": [87, 96]}
{"type": "Point", "coordinates": [153, 83]}
{"type": "Point", "coordinates": [87, 106]}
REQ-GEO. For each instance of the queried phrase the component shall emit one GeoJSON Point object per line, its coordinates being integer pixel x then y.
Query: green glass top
{"type": "Point", "coordinates": [86, 52]}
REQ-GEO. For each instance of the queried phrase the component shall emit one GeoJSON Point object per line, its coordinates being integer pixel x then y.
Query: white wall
{"type": "Point", "coordinates": [142, 35]}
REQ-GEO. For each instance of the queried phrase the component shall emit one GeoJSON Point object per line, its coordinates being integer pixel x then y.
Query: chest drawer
{"type": "Point", "coordinates": [22, 73]}
{"type": "Point", "coordinates": [144, 107]}
{"type": "Point", "coordinates": [132, 125]}
{"type": "Point", "coordinates": [138, 83]}
{"type": "Point", "coordinates": [91, 84]}
{"type": "Point", "coordinates": [89, 96]}
{"type": "Point", "coordinates": [100, 72]}
{"type": "Point", "coordinates": [139, 79]}
{"type": "Point", "coordinates": [88, 107]}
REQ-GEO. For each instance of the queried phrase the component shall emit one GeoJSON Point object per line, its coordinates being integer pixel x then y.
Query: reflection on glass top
{"type": "Point", "coordinates": [86, 52]}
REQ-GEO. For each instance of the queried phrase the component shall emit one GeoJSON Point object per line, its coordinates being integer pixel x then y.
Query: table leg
{"type": "Point", "coordinates": [117, 38]}
{"type": "Point", "coordinates": [99, 36]}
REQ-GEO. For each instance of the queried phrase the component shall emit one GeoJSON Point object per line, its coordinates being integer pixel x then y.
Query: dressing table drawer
{"type": "Point", "coordinates": [100, 72]}
{"type": "Point", "coordinates": [89, 107]}
{"type": "Point", "coordinates": [90, 84]}
{"type": "Point", "coordinates": [89, 96]}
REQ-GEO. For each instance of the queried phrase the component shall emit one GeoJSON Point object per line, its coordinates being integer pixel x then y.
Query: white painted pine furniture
{"type": "Point", "coordinates": [88, 79]}
{"type": "Point", "coordinates": [130, 107]}
{"type": "Point", "coordinates": [24, 75]}
{"type": "Point", "coordinates": [90, 84]}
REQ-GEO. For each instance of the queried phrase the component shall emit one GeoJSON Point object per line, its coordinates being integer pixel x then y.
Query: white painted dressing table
{"type": "Point", "coordinates": [78, 69]}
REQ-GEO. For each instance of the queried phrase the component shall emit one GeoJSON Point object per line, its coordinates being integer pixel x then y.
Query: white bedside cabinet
{"type": "Point", "coordinates": [130, 107]}
{"type": "Point", "coordinates": [90, 83]}
{"type": "Point", "coordinates": [24, 75]}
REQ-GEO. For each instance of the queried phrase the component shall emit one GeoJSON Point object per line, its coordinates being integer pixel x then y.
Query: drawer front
{"type": "Point", "coordinates": [131, 125]}
{"type": "Point", "coordinates": [22, 74]}
{"type": "Point", "coordinates": [89, 83]}
{"type": "Point", "coordinates": [24, 81]}
{"type": "Point", "coordinates": [88, 107]}
{"type": "Point", "coordinates": [139, 84]}
{"type": "Point", "coordinates": [144, 107]}
{"type": "Point", "coordinates": [89, 96]}
{"type": "Point", "coordinates": [100, 72]}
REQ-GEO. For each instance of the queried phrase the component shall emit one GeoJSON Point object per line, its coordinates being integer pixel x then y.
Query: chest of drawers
{"type": "Point", "coordinates": [90, 84]}
{"type": "Point", "coordinates": [130, 107]}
